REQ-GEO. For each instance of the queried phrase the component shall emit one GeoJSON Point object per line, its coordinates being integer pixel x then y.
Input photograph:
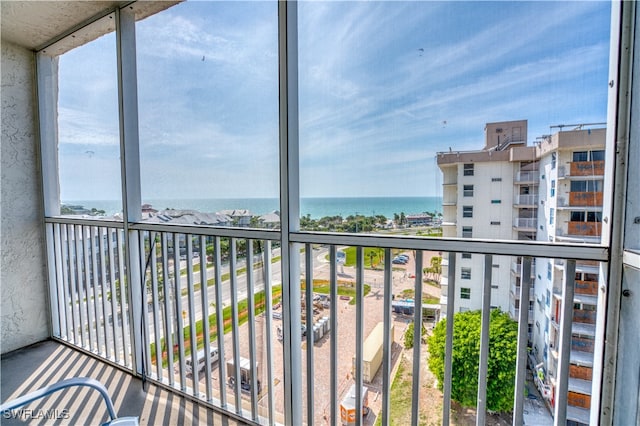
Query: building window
{"type": "Point", "coordinates": [496, 201]}
{"type": "Point", "coordinates": [554, 159]}
{"type": "Point", "coordinates": [495, 287]}
{"type": "Point", "coordinates": [495, 222]}
{"type": "Point", "coordinates": [597, 155]}
{"type": "Point", "coordinates": [467, 232]}
{"type": "Point", "coordinates": [499, 179]}
{"type": "Point", "coordinates": [553, 188]}
{"type": "Point", "coordinates": [468, 169]}
{"type": "Point", "coordinates": [549, 270]}
{"type": "Point", "coordinates": [465, 293]}
{"type": "Point", "coordinates": [467, 211]}
{"type": "Point", "coordinates": [465, 273]}
{"type": "Point", "coordinates": [586, 186]}
{"type": "Point", "coordinates": [548, 299]}
{"type": "Point", "coordinates": [580, 156]}
{"type": "Point", "coordinates": [467, 191]}
{"type": "Point", "coordinates": [466, 255]}
{"type": "Point", "coordinates": [551, 216]}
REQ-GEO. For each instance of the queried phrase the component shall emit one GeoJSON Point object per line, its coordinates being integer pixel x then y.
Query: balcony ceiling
{"type": "Point", "coordinates": [33, 24]}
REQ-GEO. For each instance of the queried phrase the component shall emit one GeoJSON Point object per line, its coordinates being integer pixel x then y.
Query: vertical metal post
{"type": "Point", "coordinates": [388, 339]}
{"type": "Point", "coordinates": [448, 351]}
{"type": "Point", "coordinates": [251, 294]}
{"type": "Point", "coordinates": [222, 377]}
{"type": "Point", "coordinates": [481, 410]}
{"type": "Point", "coordinates": [79, 255]}
{"type": "Point", "coordinates": [130, 169]}
{"type": "Point", "coordinates": [523, 337]}
{"type": "Point", "coordinates": [235, 327]}
{"type": "Point", "coordinates": [359, 330]}
{"type": "Point", "coordinates": [268, 294]}
{"type": "Point", "coordinates": [204, 297]}
{"type": "Point", "coordinates": [47, 74]}
{"type": "Point", "coordinates": [192, 317]}
{"type": "Point", "coordinates": [155, 290]}
{"type": "Point", "coordinates": [179, 311]}
{"type": "Point", "coordinates": [566, 321]}
{"type": "Point", "coordinates": [168, 293]}
{"type": "Point", "coordinates": [417, 339]}
{"type": "Point", "coordinates": [61, 285]}
{"type": "Point", "coordinates": [113, 292]}
{"type": "Point", "coordinates": [95, 283]}
{"type": "Point", "coordinates": [333, 297]}
{"type": "Point", "coordinates": [54, 306]}
{"type": "Point", "coordinates": [145, 348]}
{"type": "Point", "coordinates": [289, 207]}
{"type": "Point", "coordinates": [104, 232]}
{"type": "Point", "coordinates": [308, 251]}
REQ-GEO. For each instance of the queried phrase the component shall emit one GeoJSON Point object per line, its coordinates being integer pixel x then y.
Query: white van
{"type": "Point", "coordinates": [201, 360]}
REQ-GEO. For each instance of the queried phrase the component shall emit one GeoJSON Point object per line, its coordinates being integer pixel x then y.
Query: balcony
{"type": "Point", "coordinates": [583, 199]}
{"type": "Point", "coordinates": [525, 224]}
{"type": "Point", "coordinates": [516, 268]}
{"type": "Point", "coordinates": [526, 200]}
{"type": "Point", "coordinates": [586, 229]}
{"type": "Point", "coordinates": [515, 290]}
{"type": "Point", "coordinates": [185, 277]}
{"type": "Point", "coordinates": [49, 362]}
{"type": "Point", "coordinates": [582, 169]}
{"type": "Point", "coordinates": [531, 177]}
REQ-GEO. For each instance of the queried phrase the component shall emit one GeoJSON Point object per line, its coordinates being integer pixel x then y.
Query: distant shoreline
{"type": "Point", "coordinates": [315, 207]}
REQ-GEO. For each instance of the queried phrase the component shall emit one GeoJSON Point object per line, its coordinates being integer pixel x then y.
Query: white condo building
{"type": "Point", "coordinates": [551, 191]}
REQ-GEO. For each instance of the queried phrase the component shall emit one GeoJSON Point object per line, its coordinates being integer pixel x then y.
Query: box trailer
{"type": "Point", "coordinates": [372, 352]}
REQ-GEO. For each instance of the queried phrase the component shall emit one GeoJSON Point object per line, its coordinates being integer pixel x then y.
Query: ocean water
{"type": "Point", "coordinates": [316, 208]}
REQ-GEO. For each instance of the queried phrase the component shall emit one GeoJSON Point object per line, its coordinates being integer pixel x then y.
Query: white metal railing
{"type": "Point", "coordinates": [526, 199]}
{"type": "Point", "coordinates": [532, 176]}
{"type": "Point", "coordinates": [90, 291]}
{"type": "Point", "coordinates": [529, 223]}
{"type": "Point", "coordinates": [210, 290]}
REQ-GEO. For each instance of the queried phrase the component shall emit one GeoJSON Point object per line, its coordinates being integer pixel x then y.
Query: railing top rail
{"type": "Point", "coordinates": [480, 246]}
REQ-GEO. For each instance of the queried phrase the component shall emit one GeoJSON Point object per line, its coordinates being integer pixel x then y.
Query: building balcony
{"type": "Point", "coordinates": [516, 268]}
{"type": "Point", "coordinates": [105, 321]}
{"type": "Point", "coordinates": [587, 229]}
{"type": "Point", "coordinates": [531, 177]}
{"type": "Point", "coordinates": [525, 224]}
{"type": "Point", "coordinates": [586, 287]}
{"type": "Point", "coordinates": [450, 201]}
{"type": "Point", "coordinates": [515, 291]}
{"type": "Point", "coordinates": [582, 170]}
{"type": "Point", "coordinates": [526, 200]}
{"type": "Point", "coordinates": [581, 199]}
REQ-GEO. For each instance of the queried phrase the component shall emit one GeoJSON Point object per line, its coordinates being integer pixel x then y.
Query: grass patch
{"type": "Point", "coordinates": [243, 317]}
{"type": "Point", "coordinates": [345, 288]}
{"type": "Point", "coordinates": [408, 293]}
{"type": "Point", "coordinates": [400, 399]}
{"type": "Point", "coordinates": [373, 256]}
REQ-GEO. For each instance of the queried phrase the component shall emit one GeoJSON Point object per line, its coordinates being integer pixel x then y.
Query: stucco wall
{"type": "Point", "coordinates": [24, 314]}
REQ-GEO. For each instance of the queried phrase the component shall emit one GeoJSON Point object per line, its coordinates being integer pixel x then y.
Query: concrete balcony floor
{"type": "Point", "coordinates": [31, 368]}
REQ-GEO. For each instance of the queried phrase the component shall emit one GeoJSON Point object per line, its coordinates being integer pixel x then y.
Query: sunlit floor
{"type": "Point", "coordinates": [39, 365]}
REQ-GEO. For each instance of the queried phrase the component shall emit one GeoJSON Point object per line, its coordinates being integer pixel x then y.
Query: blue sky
{"type": "Point", "coordinates": [383, 87]}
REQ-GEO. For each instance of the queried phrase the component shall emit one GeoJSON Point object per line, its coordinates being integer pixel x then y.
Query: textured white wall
{"type": "Point", "coordinates": [24, 315]}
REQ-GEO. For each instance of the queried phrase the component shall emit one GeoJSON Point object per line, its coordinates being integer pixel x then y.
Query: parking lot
{"type": "Point", "coordinates": [346, 320]}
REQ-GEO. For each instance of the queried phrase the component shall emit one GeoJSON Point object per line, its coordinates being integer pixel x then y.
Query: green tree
{"type": "Point", "coordinates": [408, 335]}
{"type": "Point", "coordinates": [503, 340]}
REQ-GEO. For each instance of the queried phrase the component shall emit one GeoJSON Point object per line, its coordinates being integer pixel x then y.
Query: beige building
{"type": "Point", "coordinates": [551, 191]}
